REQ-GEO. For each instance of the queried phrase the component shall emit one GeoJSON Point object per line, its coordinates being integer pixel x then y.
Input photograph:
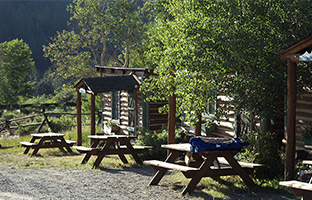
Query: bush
{"type": "Point", "coordinates": [156, 139]}
{"type": "Point", "coordinates": [263, 148]}
{"type": "Point", "coordinates": [62, 124]}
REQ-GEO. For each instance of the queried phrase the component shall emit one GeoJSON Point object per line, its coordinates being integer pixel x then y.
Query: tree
{"type": "Point", "coordinates": [103, 33]}
{"type": "Point", "coordinates": [233, 45]}
{"type": "Point", "coordinates": [15, 64]}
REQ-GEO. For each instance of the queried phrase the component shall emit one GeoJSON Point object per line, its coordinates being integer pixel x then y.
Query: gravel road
{"type": "Point", "coordinates": [128, 183]}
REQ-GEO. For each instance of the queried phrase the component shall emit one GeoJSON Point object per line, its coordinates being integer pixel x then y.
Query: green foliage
{"type": "Point", "coordinates": [231, 46]}
{"type": "Point", "coordinates": [62, 124]}
{"type": "Point", "coordinates": [263, 149]}
{"type": "Point", "coordinates": [22, 131]}
{"type": "Point", "coordinates": [9, 114]}
{"type": "Point", "coordinates": [156, 139]}
{"type": "Point", "coordinates": [15, 64]}
{"type": "Point", "coordinates": [103, 33]}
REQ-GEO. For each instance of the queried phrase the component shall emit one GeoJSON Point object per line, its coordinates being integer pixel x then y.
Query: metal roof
{"type": "Point", "coordinates": [109, 83]}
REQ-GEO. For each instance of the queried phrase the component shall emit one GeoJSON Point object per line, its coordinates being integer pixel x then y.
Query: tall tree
{"type": "Point", "coordinates": [103, 33]}
{"type": "Point", "coordinates": [15, 64]}
{"type": "Point", "coordinates": [233, 44]}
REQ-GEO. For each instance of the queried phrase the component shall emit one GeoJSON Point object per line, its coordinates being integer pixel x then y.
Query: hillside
{"type": "Point", "coordinates": [34, 22]}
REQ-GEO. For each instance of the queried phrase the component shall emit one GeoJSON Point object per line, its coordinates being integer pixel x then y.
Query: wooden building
{"type": "Point", "coordinates": [122, 102]}
{"type": "Point", "coordinates": [129, 108]}
{"type": "Point", "coordinates": [298, 109]}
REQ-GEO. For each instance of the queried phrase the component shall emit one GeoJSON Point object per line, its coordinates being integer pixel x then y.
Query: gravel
{"type": "Point", "coordinates": [128, 183]}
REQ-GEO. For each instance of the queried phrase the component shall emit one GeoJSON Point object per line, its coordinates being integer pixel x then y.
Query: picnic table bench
{"type": "Point", "coordinates": [114, 145]}
{"type": "Point", "coordinates": [47, 140]}
{"type": "Point", "coordinates": [300, 189]}
{"type": "Point", "coordinates": [202, 166]}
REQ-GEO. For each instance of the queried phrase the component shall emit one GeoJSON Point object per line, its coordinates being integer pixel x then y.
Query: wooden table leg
{"type": "Point", "coordinates": [117, 147]}
{"type": "Point", "coordinates": [204, 168]}
{"type": "Point", "coordinates": [161, 172]}
{"type": "Point", "coordinates": [102, 153]}
{"type": "Point", "coordinates": [88, 155]}
{"type": "Point", "coordinates": [36, 149]}
{"type": "Point", "coordinates": [33, 139]}
{"type": "Point", "coordinates": [132, 151]}
{"type": "Point", "coordinates": [240, 171]}
{"type": "Point", "coordinates": [63, 143]}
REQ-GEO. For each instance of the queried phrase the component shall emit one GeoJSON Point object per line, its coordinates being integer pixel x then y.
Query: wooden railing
{"type": "Point", "coordinates": [7, 124]}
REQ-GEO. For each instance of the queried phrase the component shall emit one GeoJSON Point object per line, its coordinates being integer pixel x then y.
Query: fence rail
{"type": "Point", "coordinates": [6, 125]}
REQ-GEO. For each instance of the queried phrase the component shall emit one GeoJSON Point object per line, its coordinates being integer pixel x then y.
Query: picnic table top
{"type": "Point", "coordinates": [47, 135]}
{"type": "Point", "coordinates": [187, 147]}
{"type": "Point", "coordinates": [109, 136]}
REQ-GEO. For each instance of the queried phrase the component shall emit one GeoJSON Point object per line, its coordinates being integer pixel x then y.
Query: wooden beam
{"type": "Point", "coordinates": [198, 125]}
{"type": "Point", "coordinates": [291, 120]}
{"type": "Point", "coordinates": [171, 120]}
{"type": "Point", "coordinates": [92, 114]}
{"type": "Point", "coordinates": [296, 49]}
{"type": "Point", "coordinates": [78, 108]}
{"type": "Point", "coordinates": [295, 58]}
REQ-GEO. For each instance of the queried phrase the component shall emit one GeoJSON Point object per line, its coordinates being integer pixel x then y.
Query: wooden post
{"type": "Point", "coordinates": [92, 114]}
{"type": "Point", "coordinates": [291, 120]}
{"type": "Point", "coordinates": [7, 126]}
{"type": "Point", "coordinates": [198, 125]}
{"type": "Point", "coordinates": [78, 107]}
{"type": "Point", "coordinates": [171, 119]}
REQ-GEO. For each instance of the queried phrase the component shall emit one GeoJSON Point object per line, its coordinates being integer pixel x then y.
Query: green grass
{"type": "Point", "coordinates": [11, 155]}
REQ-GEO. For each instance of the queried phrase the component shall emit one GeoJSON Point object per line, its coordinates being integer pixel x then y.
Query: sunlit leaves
{"type": "Point", "coordinates": [15, 64]}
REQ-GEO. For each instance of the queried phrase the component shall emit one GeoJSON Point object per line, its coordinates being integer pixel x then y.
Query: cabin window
{"type": "Point", "coordinates": [211, 108]}
{"type": "Point", "coordinates": [116, 105]}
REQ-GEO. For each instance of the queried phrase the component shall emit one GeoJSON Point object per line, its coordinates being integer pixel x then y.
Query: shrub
{"type": "Point", "coordinates": [155, 139]}
{"type": "Point", "coordinates": [263, 148]}
{"type": "Point", "coordinates": [62, 123]}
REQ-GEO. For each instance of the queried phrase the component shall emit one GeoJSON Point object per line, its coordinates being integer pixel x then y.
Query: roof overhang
{"type": "Point", "coordinates": [107, 84]}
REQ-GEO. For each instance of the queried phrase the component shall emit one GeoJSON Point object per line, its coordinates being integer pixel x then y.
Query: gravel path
{"type": "Point", "coordinates": [129, 183]}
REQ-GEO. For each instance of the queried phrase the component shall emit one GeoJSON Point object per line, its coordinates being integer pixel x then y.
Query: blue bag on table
{"type": "Point", "coordinates": [199, 144]}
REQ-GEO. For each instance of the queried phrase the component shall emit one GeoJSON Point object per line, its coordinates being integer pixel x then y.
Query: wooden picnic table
{"type": "Point", "coordinates": [201, 165]}
{"type": "Point", "coordinates": [113, 145]}
{"type": "Point", "coordinates": [47, 140]}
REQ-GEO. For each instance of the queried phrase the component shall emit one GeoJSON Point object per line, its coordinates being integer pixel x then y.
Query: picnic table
{"type": "Point", "coordinates": [201, 165]}
{"type": "Point", "coordinates": [47, 140]}
{"type": "Point", "coordinates": [113, 145]}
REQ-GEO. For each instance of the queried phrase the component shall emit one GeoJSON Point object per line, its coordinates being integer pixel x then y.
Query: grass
{"type": "Point", "coordinates": [11, 155]}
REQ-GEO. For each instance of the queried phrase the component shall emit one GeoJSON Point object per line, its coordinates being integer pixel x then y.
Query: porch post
{"type": "Point", "coordinates": [171, 119]}
{"type": "Point", "coordinates": [78, 107]}
{"type": "Point", "coordinates": [291, 120]}
{"type": "Point", "coordinates": [198, 125]}
{"type": "Point", "coordinates": [92, 114]}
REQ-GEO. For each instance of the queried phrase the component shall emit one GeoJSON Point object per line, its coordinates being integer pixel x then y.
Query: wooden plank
{"type": "Point", "coordinates": [297, 184]}
{"type": "Point", "coordinates": [28, 144]}
{"type": "Point", "coordinates": [172, 166]}
{"type": "Point", "coordinates": [291, 120]}
{"type": "Point", "coordinates": [307, 162]}
{"type": "Point", "coordinates": [223, 161]}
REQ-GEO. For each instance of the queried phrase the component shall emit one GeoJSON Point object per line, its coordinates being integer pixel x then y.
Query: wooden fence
{"type": "Point", "coordinates": [7, 124]}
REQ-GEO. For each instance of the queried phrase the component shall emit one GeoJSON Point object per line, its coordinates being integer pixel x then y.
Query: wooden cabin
{"type": "Point", "coordinates": [127, 107]}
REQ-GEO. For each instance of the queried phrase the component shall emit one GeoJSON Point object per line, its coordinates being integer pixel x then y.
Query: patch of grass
{"type": "Point", "coordinates": [11, 155]}
{"type": "Point", "coordinates": [223, 187]}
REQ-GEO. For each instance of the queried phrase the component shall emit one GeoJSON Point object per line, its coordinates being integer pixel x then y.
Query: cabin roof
{"type": "Point", "coordinates": [109, 83]}
{"type": "Point", "coordinates": [298, 48]}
